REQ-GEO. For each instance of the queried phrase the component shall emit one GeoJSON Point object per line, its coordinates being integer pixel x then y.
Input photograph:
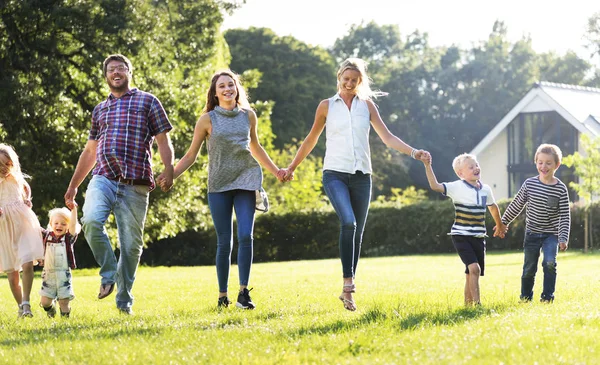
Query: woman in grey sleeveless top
{"type": "Point", "coordinates": [229, 126]}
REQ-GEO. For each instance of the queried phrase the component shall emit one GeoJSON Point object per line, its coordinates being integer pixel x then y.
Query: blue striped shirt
{"type": "Point", "coordinates": [547, 208]}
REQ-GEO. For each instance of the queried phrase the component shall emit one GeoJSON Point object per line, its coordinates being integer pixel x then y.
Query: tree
{"type": "Point", "coordinates": [587, 168]}
{"type": "Point", "coordinates": [295, 76]}
{"type": "Point", "coordinates": [378, 45]}
{"type": "Point", "coordinates": [593, 34]}
{"type": "Point", "coordinates": [51, 79]}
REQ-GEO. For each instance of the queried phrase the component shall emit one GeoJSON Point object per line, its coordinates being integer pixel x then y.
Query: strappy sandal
{"type": "Point", "coordinates": [105, 290]}
{"type": "Point", "coordinates": [349, 304]}
{"type": "Point", "coordinates": [25, 312]}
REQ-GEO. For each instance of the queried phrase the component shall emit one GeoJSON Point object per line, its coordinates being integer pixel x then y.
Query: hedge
{"type": "Point", "coordinates": [414, 229]}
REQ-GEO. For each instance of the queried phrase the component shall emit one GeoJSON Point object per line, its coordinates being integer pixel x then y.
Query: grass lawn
{"type": "Point", "coordinates": [410, 312]}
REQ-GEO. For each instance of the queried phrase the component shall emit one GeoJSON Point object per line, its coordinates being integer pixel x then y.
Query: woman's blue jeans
{"type": "Point", "coordinates": [221, 209]}
{"type": "Point", "coordinates": [534, 243]}
{"type": "Point", "coordinates": [350, 195]}
{"type": "Point", "coordinates": [129, 204]}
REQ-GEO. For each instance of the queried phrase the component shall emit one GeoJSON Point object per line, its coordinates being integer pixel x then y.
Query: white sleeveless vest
{"type": "Point", "coordinates": [347, 136]}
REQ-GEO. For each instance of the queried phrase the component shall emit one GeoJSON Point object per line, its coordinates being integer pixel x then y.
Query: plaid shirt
{"type": "Point", "coordinates": [125, 128]}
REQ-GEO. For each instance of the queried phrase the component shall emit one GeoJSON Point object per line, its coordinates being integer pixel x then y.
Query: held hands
{"type": "Point", "coordinates": [70, 197]}
{"type": "Point", "coordinates": [423, 156]}
{"type": "Point", "coordinates": [500, 231]}
{"type": "Point", "coordinates": [287, 174]}
{"type": "Point", "coordinates": [165, 180]}
{"type": "Point", "coordinates": [161, 181]}
{"type": "Point", "coordinates": [281, 173]}
{"type": "Point", "coordinates": [563, 246]}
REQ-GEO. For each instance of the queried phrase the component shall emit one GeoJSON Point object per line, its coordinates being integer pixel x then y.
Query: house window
{"type": "Point", "coordinates": [525, 133]}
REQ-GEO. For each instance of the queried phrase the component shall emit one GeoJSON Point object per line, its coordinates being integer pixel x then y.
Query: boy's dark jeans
{"type": "Point", "coordinates": [534, 243]}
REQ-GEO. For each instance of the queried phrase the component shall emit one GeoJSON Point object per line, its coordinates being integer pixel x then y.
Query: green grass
{"type": "Point", "coordinates": [410, 312]}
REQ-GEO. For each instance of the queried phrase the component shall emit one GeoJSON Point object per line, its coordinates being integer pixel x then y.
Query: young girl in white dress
{"type": "Point", "coordinates": [20, 231]}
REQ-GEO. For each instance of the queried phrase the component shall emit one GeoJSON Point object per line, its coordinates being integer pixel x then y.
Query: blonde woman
{"type": "Point", "coordinates": [348, 116]}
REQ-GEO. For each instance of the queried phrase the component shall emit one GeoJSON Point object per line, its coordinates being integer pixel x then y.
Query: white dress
{"type": "Point", "coordinates": [20, 231]}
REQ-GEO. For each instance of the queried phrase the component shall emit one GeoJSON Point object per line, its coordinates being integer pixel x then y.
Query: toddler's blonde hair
{"type": "Point", "coordinates": [63, 213]}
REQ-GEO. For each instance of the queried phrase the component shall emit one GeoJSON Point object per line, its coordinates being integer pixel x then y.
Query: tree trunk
{"type": "Point", "coordinates": [586, 231]}
{"type": "Point", "coordinates": [590, 220]}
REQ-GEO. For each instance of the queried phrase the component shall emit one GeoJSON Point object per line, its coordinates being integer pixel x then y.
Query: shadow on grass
{"type": "Point", "coordinates": [396, 320]}
{"type": "Point", "coordinates": [450, 318]}
{"type": "Point", "coordinates": [76, 331]}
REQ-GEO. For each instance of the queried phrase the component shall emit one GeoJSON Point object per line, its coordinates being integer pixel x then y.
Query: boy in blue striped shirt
{"type": "Point", "coordinates": [471, 198]}
{"type": "Point", "coordinates": [547, 221]}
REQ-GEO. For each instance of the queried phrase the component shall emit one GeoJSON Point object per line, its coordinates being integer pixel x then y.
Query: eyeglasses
{"type": "Point", "coordinates": [118, 68]}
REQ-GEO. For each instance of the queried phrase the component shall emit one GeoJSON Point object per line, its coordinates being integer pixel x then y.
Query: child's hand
{"type": "Point", "coordinates": [500, 231]}
{"type": "Point", "coordinates": [28, 203]}
{"type": "Point", "coordinates": [563, 246]}
{"type": "Point", "coordinates": [40, 262]}
{"type": "Point", "coordinates": [424, 156]}
{"type": "Point", "coordinates": [1, 212]}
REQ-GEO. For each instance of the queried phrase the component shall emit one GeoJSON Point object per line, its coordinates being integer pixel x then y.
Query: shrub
{"type": "Point", "coordinates": [413, 229]}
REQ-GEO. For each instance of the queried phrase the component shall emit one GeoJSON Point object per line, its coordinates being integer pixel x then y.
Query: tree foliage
{"type": "Point", "coordinates": [446, 99]}
{"type": "Point", "coordinates": [51, 78]}
{"type": "Point", "coordinates": [295, 76]}
{"type": "Point", "coordinates": [443, 99]}
{"type": "Point", "coordinates": [587, 168]}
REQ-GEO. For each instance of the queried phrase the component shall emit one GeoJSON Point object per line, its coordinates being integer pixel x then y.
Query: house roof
{"type": "Point", "coordinates": [578, 105]}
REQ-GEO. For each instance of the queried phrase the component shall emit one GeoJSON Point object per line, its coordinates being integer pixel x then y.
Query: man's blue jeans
{"type": "Point", "coordinates": [129, 204]}
{"type": "Point", "coordinates": [221, 209]}
{"type": "Point", "coordinates": [350, 195]}
{"type": "Point", "coordinates": [534, 243]}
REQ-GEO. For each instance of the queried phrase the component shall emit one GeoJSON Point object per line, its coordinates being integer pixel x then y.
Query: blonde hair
{"type": "Point", "coordinates": [241, 98]}
{"type": "Point", "coordinates": [458, 161]}
{"type": "Point", "coordinates": [13, 167]}
{"type": "Point", "coordinates": [363, 89]}
{"type": "Point", "coordinates": [549, 149]}
{"type": "Point", "coordinates": [63, 213]}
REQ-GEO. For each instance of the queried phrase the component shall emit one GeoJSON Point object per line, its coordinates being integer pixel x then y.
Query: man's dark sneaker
{"type": "Point", "coordinates": [223, 302]}
{"type": "Point", "coordinates": [244, 301]}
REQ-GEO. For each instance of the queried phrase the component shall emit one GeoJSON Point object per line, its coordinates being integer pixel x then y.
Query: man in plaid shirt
{"type": "Point", "coordinates": [123, 129]}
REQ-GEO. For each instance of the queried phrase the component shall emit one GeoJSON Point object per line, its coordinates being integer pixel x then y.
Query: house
{"type": "Point", "coordinates": [548, 113]}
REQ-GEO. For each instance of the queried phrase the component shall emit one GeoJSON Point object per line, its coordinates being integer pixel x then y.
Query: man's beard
{"type": "Point", "coordinates": [124, 86]}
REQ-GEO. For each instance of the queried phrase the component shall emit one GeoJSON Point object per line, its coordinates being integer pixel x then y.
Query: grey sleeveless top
{"type": "Point", "coordinates": [230, 163]}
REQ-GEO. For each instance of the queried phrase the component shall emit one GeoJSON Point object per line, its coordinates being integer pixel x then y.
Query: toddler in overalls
{"type": "Point", "coordinates": [59, 259]}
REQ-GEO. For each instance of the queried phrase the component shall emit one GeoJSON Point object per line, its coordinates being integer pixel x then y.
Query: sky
{"type": "Point", "coordinates": [552, 26]}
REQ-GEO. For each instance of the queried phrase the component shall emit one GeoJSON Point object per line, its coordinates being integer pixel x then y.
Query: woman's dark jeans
{"type": "Point", "coordinates": [221, 209]}
{"type": "Point", "coordinates": [350, 195]}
